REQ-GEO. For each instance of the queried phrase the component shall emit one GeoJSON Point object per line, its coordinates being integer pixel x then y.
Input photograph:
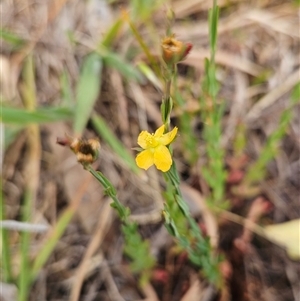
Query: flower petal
{"type": "Point", "coordinates": [162, 158]}
{"type": "Point", "coordinates": [145, 139]}
{"type": "Point", "coordinates": [168, 137]}
{"type": "Point", "coordinates": [159, 132]}
{"type": "Point", "coordinates": [144, 159]}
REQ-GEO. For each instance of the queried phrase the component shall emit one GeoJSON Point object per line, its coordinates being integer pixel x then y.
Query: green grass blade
{"type": "Point", "coordinates": [31, 168]}
{"type": "Point", "coordinates": [49, 246]}
{"type": "Point", "coordinates": [109, 137]}
{"type": "Point", "coordinates": [88, 89]}
{"type": "Point", "coordinates": [113, 32]}
{"type": "Point", "coordinates": [67, 97]}
{"type": "Point", "coordinates": [257, 170]}
{"type": "Point", "coordinates": [295, 96]}
{"type": "Point", "coordinates": [44, 115]}
{"type": "Point", "coordinates": [11, 38]}
{"type": "Point", "coordinates": [150, 75]}
{"type": "Point", "coordinates": [115, 61]}
{"type": "Point", "coordinates": [24, 281]}
{"type": "Point", "coordinates": [213, 26]}
{"type": "Point", "coordinates": [4, 249]}
{"type": "Point", "coordinates": [143, 10]}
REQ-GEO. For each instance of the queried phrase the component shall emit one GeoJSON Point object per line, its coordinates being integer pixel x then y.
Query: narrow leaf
{"type": "Point", "coordinates": [115, 61]}
{"type": "Point", "coordinates": [44, 115]}
{"type": "Point", "coordinates": [112, 33]}
{"type": "Point", "coordinates": [67, 97]}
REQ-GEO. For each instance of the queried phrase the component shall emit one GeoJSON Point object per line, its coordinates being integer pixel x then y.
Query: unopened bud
{"type": "Point", "coordinates": [174, 51]}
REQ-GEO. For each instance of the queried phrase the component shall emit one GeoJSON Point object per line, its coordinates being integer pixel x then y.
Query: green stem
{"type": "Point", "coordinates": [110, 191]}
{"type": "Point", "coordinates": [173, 177]}
{"type": "Point", "coordinates": [192, 241]}
{"type": "Point", "coordinates": [168, 88]}
{"type": "Point", "coordinates": [167, 102]}
{"type": "Point", "coordinates": [136, 248]}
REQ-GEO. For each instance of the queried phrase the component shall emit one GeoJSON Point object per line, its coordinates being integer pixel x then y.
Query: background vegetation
{"type": "Point", "coordinates": [93, 69]}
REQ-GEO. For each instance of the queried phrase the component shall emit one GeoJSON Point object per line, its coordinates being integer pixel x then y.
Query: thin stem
{"type": "Point", "coordinates": [167, 101]}
{"type": "Point", "coordinates": [168, 88]}
{"type": "Point", "coordinates": [136, 248]}
{"type": "Point", "coordinates": [110, 191]}
{"type": "Point", "coordinates": [181, 203]}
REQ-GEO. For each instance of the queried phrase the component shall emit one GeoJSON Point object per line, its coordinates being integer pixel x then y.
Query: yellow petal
{"type": "Point", "coordinates": [144, 159]}
{"type": "Point", "coordinates": [162, 158]}
{"type": "Point", "coordinates": [168, 137]}
{"type": "Point", "coordinates": [145, 140]}
{"type": "Point", "coordinates": [159, 132]}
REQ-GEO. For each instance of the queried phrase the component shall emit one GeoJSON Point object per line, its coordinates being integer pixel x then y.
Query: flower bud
{"type": "Point", "coordinates": [174, 51]}
{"type": "Point", "coordinates": [86, 151]}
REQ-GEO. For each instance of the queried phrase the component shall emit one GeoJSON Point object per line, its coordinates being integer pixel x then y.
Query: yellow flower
{"type": "Point", "coordinates": [155, 150]}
